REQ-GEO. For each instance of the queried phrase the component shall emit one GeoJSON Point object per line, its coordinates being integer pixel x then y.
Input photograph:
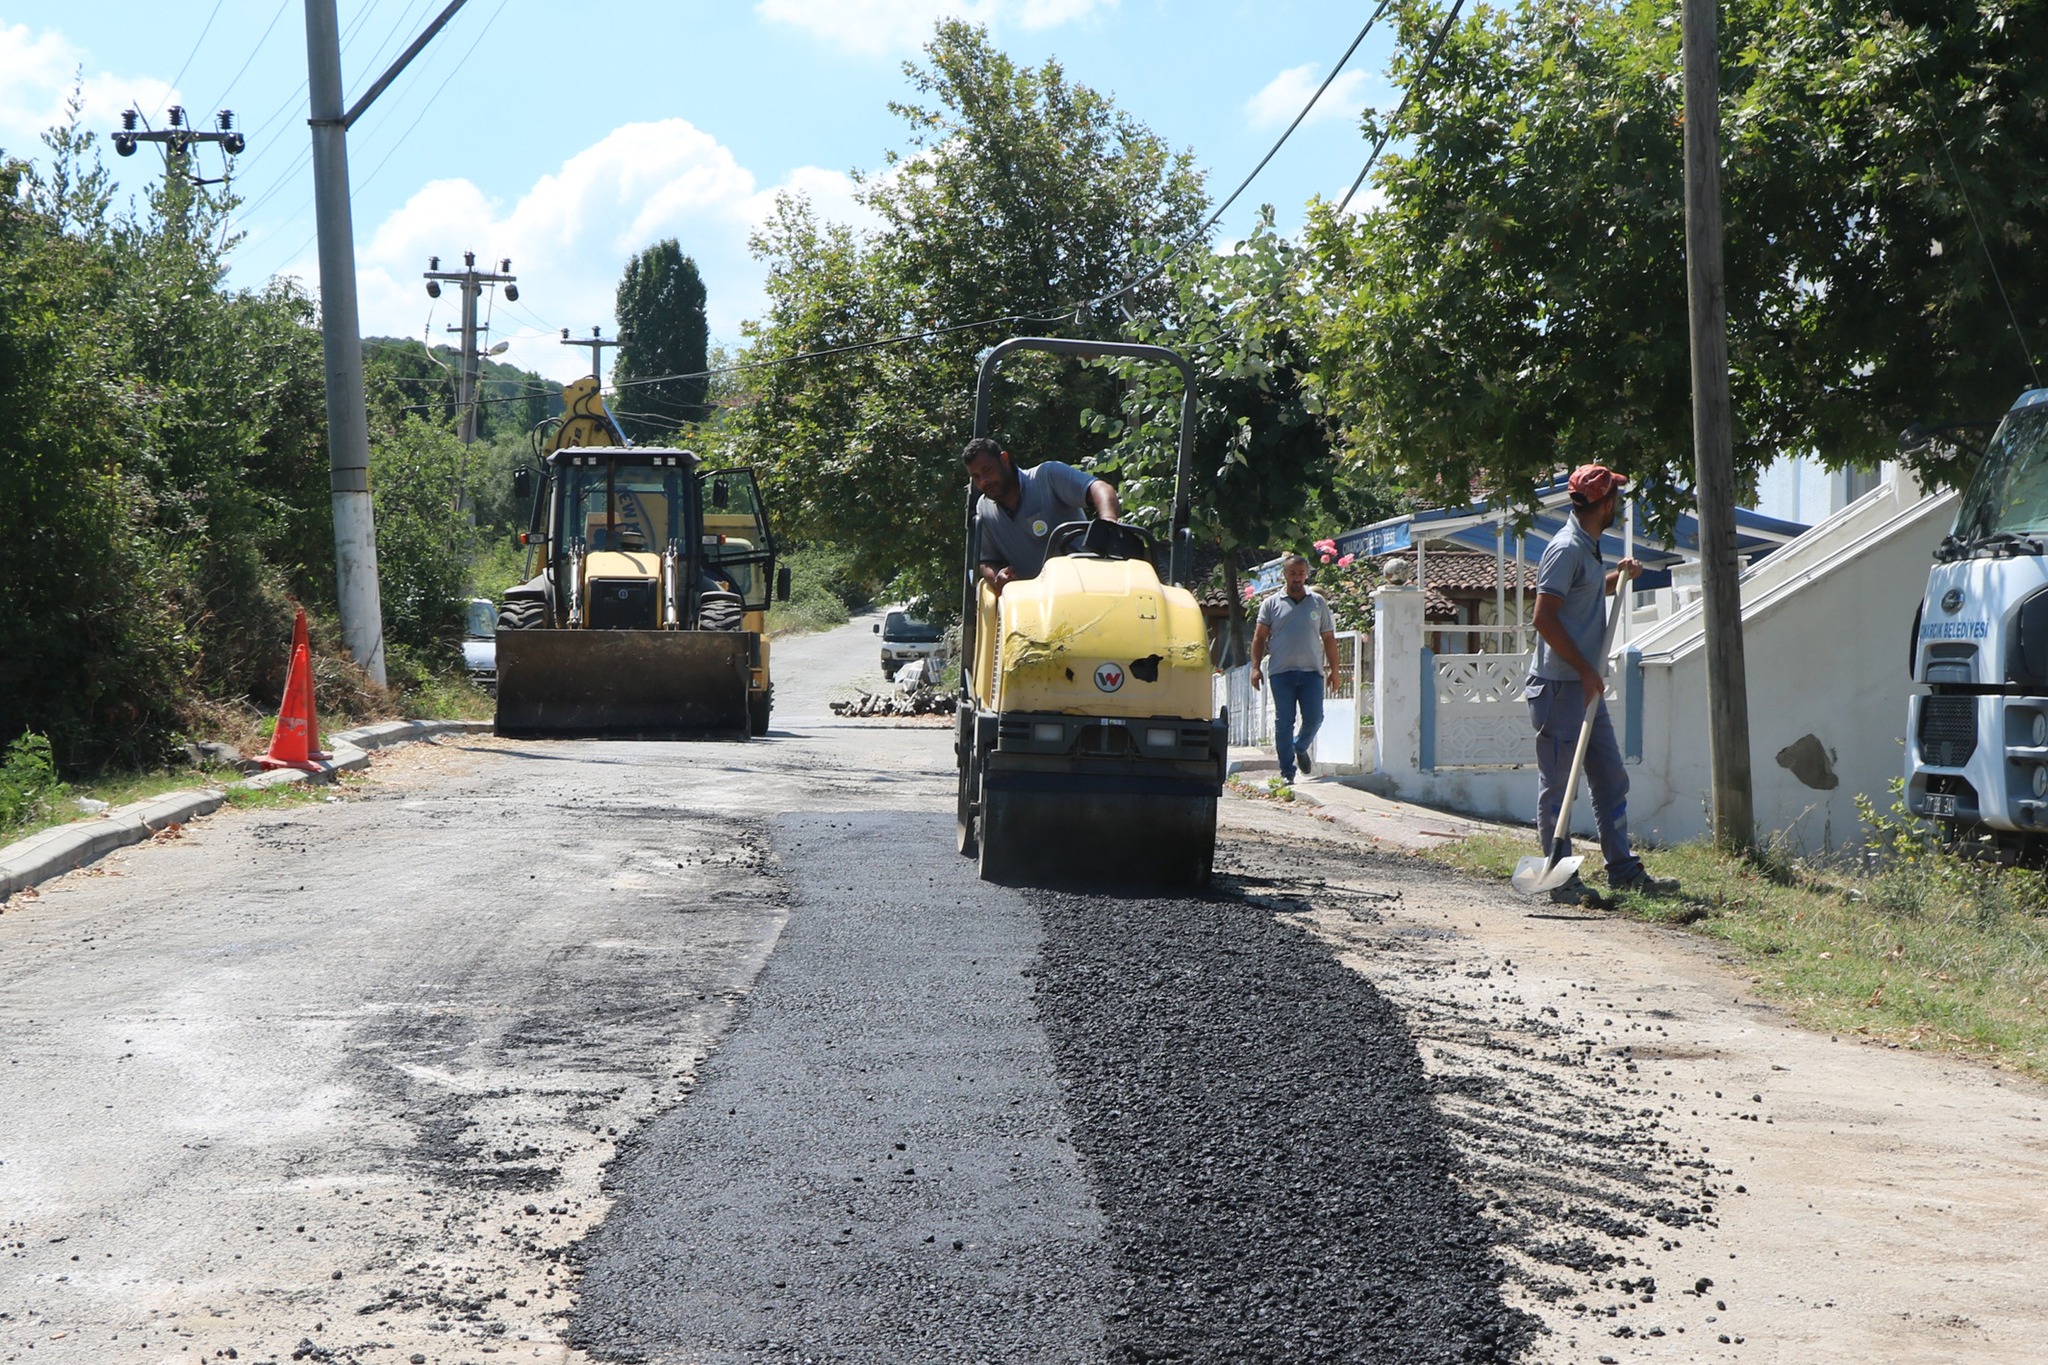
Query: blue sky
{"type": "Point", "coordinates": [567, 138]}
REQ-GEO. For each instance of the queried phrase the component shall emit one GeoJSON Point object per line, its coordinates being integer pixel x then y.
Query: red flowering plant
{"type": "Point", "coordinates": [1347, 584]}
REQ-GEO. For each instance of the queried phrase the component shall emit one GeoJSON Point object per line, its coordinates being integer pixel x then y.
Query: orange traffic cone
{"type": "Point", "coordinates": [295, 742]}
{"type": "Point", "coordinates": [299, 642]}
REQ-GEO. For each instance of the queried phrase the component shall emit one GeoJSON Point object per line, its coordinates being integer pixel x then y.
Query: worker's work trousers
{"type": "Point", "coordinates": [1557, 708]}
{"type": "Point", "coordinates": [1295, 689]}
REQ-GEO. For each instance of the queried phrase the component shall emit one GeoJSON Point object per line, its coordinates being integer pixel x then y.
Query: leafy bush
{"type": "Point", "coordinates": [823, 590]}
{"type": "Point", "coordinates": [29, 787]}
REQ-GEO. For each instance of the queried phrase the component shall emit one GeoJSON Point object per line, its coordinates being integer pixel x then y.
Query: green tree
{"type": "Point", "coordinates": [1263, 473]}
{"type": "Point", "coordinates": [1517, 306]}
{"type": "Point", "coordinates": [662, 333]}
{"type": "Point", "coordinates": [1020, 195]}
{"type": "Point", "coordinates": [423, 546]}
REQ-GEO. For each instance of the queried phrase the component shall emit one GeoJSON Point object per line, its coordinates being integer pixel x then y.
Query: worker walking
{"type": "Point", "coordinates": [1297, 628]}
{"type": "Point", "coordinates": [1020, 508]}
{"type": "Point", "coordinates": [1572, 582]}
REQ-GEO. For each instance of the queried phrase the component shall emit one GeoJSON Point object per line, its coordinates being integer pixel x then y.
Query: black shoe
{"type": "Point", "coordinates": [1573, 892]}
{"type": "Point", "coordinates": [1643, 884]}
{"type": "Point", "coordinates": [1308, 769]}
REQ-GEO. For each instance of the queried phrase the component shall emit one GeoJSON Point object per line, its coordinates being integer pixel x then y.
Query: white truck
{"type": "Point", "coordinates": [1977, 739]}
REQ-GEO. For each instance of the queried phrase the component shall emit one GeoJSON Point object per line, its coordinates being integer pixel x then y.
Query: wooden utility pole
{"type": "Point", "coordinates": [1712, 437]}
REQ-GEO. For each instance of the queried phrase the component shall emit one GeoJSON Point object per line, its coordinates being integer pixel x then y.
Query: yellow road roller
{"type": "Point", "coordinates": [1088, 745]}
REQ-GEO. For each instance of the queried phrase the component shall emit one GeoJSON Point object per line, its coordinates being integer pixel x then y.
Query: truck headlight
{"type": "Point", "coordinates": [2041, 729]}
{"type": "Point", "coordinates": [1158, 738]}
{"type": "Point", "coordinates": [2040, 780]}
{"type": "Point", "coordinates": [1048, 732]}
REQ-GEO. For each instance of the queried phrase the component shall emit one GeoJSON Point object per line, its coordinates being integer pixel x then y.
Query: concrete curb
{"type": "Point", "coordinates": [68, 847]}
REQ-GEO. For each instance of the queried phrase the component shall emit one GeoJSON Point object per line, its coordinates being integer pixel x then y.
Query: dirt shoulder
{"type": "Point", "coordinates": [1685, 1173]}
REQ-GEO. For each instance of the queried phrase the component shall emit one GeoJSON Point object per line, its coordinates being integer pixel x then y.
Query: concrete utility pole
{"type": "Point", "coordinates": [471, 281]}
{"type": "Point", "coordinates": [348, 424]}
{"type": "Point", "coordinates": [596, 343]}
{"type": "Point", "coordinates": [1713, 442]}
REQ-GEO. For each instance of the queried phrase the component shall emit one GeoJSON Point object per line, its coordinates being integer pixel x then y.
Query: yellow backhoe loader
{"type": "Point", "coordinates": [1087, 739]}
{"type": "Point", "coordinates": [645, 614]}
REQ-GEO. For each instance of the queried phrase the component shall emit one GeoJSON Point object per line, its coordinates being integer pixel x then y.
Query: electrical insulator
{"type": "Point", "coordinates": [177, 116]}
{"type": "Point", "coordinates": [234, 142]}
{"type": "Point", "coordinates": [511, 293]}
{"type": "Point", "coordinates": [128, 118]}
{"type": "Point", "coordinates": [433, 262]}
{"type": "Point", "coordinates": [565, 334]}
{"type": "Point", "coordinates": [225, 120]}
{"type": "Point", "coordinates": [124, 144]}
{"type": "Point", "coordinates": [505, 266]}
{"type": "Point", "coordinates": [433, 289]}
{"type": "Point", "coordinates": [469, 259]}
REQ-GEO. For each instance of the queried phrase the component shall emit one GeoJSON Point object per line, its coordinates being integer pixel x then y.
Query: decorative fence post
{"type": "Point", "coordinates": [1398, 697]}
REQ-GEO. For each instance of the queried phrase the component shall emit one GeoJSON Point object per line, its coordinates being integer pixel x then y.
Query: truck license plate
{"type": "Point", "coordinates": [1941, 803]}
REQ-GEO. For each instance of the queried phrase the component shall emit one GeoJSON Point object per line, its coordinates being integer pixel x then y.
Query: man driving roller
{"type": "Point", "coordinates": [1019, 508]}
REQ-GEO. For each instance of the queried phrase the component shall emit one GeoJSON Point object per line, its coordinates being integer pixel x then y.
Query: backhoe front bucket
{"type": "Point", "coordinates": [624, 684]}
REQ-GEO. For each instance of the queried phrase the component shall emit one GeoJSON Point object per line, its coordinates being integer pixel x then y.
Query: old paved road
{"type": "Point", "coordinates": [706, 1053]}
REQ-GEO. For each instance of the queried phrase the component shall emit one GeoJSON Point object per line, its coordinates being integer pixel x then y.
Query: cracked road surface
{"type": "Point", "coordinates": [706, 1053]}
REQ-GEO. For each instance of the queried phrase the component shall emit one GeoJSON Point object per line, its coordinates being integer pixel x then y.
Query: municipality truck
{"type": "Point", "coordinates": [1977, 739]}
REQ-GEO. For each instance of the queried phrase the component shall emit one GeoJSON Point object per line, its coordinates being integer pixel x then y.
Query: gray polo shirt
{"type": "Point", "coordinates": [1294, 640]}
{"type": "Point", "coordinates": [1050, 495]}
{"type": "Point", "coordinates": [1571, 569]}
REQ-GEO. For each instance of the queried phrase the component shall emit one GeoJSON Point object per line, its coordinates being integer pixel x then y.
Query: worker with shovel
{"type": "Point", "coordinates": [1566, 696]}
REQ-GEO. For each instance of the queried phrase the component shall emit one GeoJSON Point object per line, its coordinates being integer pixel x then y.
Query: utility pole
{"type": "Point", "coordinates": [348, 423]}
{"type": "Point", "coordinates": [1712, 437]}
{"type": "Point", "coordinates": [596, 343]}
{"type": "Point", "coordinates": [471, 281]}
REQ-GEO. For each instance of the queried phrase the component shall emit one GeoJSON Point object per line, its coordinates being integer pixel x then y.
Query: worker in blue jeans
{"type": "Point", "coordinates": [1295, 626]}
{"type": "Point", "coordinates": [1572, 585]}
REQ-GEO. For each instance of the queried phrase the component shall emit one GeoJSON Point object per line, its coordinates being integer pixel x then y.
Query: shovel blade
{"type": "Point", "coordinates": [1534, 876]}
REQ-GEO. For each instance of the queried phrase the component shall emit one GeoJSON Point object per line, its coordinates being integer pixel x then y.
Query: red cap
{"type": "Point", "coordinates": [1590, 483]}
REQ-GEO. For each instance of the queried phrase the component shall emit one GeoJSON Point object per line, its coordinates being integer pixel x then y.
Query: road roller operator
{"type": "Point", "coordinates": [1021, 507]}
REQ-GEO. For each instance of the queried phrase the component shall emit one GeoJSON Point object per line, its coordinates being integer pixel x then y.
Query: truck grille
{"type": "Point", "coordinates": [1948, 730]}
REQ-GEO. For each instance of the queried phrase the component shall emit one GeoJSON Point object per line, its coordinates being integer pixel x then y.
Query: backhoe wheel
{"type": "Point", "coordinates": [759, 704]}
{"type": "Point", "coordinates": [523, 614]}
{"type": "Point", "coordinates": [721, 611]}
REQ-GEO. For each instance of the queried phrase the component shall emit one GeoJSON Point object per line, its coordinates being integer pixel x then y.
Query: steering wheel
{"type": "Point", "coordinates": [1098, 539]}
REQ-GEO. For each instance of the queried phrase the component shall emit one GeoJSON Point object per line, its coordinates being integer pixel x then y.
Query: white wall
{"type": "Point", "coordinates": [1826, 622]}
{"type": "Point", "coordinates": [1826, 626]}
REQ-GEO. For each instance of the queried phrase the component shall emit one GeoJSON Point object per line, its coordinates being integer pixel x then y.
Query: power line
{"type": "Point", "coordinates": [1202, 233]}
{"type": "Point", "coordinates": [197, 43]}
{"type": "Point", "coordinates": [1428, 60]}
{"type": "Point", "coordinates": [276, 14]}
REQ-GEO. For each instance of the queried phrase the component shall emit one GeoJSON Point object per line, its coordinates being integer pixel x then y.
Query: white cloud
{"type": "Point", "coordinates": [1284, 95]}
{"type": "Point", "coordinates": [883, 26]}
{"type": "Point", "coordinates": [570, 235]}
{"type": "Point", "coordinates": [38, 72]}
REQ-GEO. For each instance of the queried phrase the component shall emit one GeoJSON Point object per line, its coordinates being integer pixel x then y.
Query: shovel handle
{"type": "Point", "coordinates": [1558, 836]}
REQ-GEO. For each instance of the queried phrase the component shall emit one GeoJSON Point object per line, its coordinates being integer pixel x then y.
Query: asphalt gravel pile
{"type": "Point", "coordinates": [1275, 1182]}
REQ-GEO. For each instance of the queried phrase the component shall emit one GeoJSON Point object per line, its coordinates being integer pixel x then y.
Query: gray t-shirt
{"type": "Point", "coordinates": [1294, 642]}
{"type": "Point", "coordinates": [1571, 569]}
{"type": "Point", "coordinates": [1051, 494]}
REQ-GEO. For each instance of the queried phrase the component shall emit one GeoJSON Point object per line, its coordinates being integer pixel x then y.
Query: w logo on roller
{"type": "Point", "coordinates": [1109, 677]}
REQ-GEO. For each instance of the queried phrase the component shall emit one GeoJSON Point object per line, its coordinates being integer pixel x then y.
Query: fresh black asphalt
{"type": "Point", "coordinates": [959, 1123]}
